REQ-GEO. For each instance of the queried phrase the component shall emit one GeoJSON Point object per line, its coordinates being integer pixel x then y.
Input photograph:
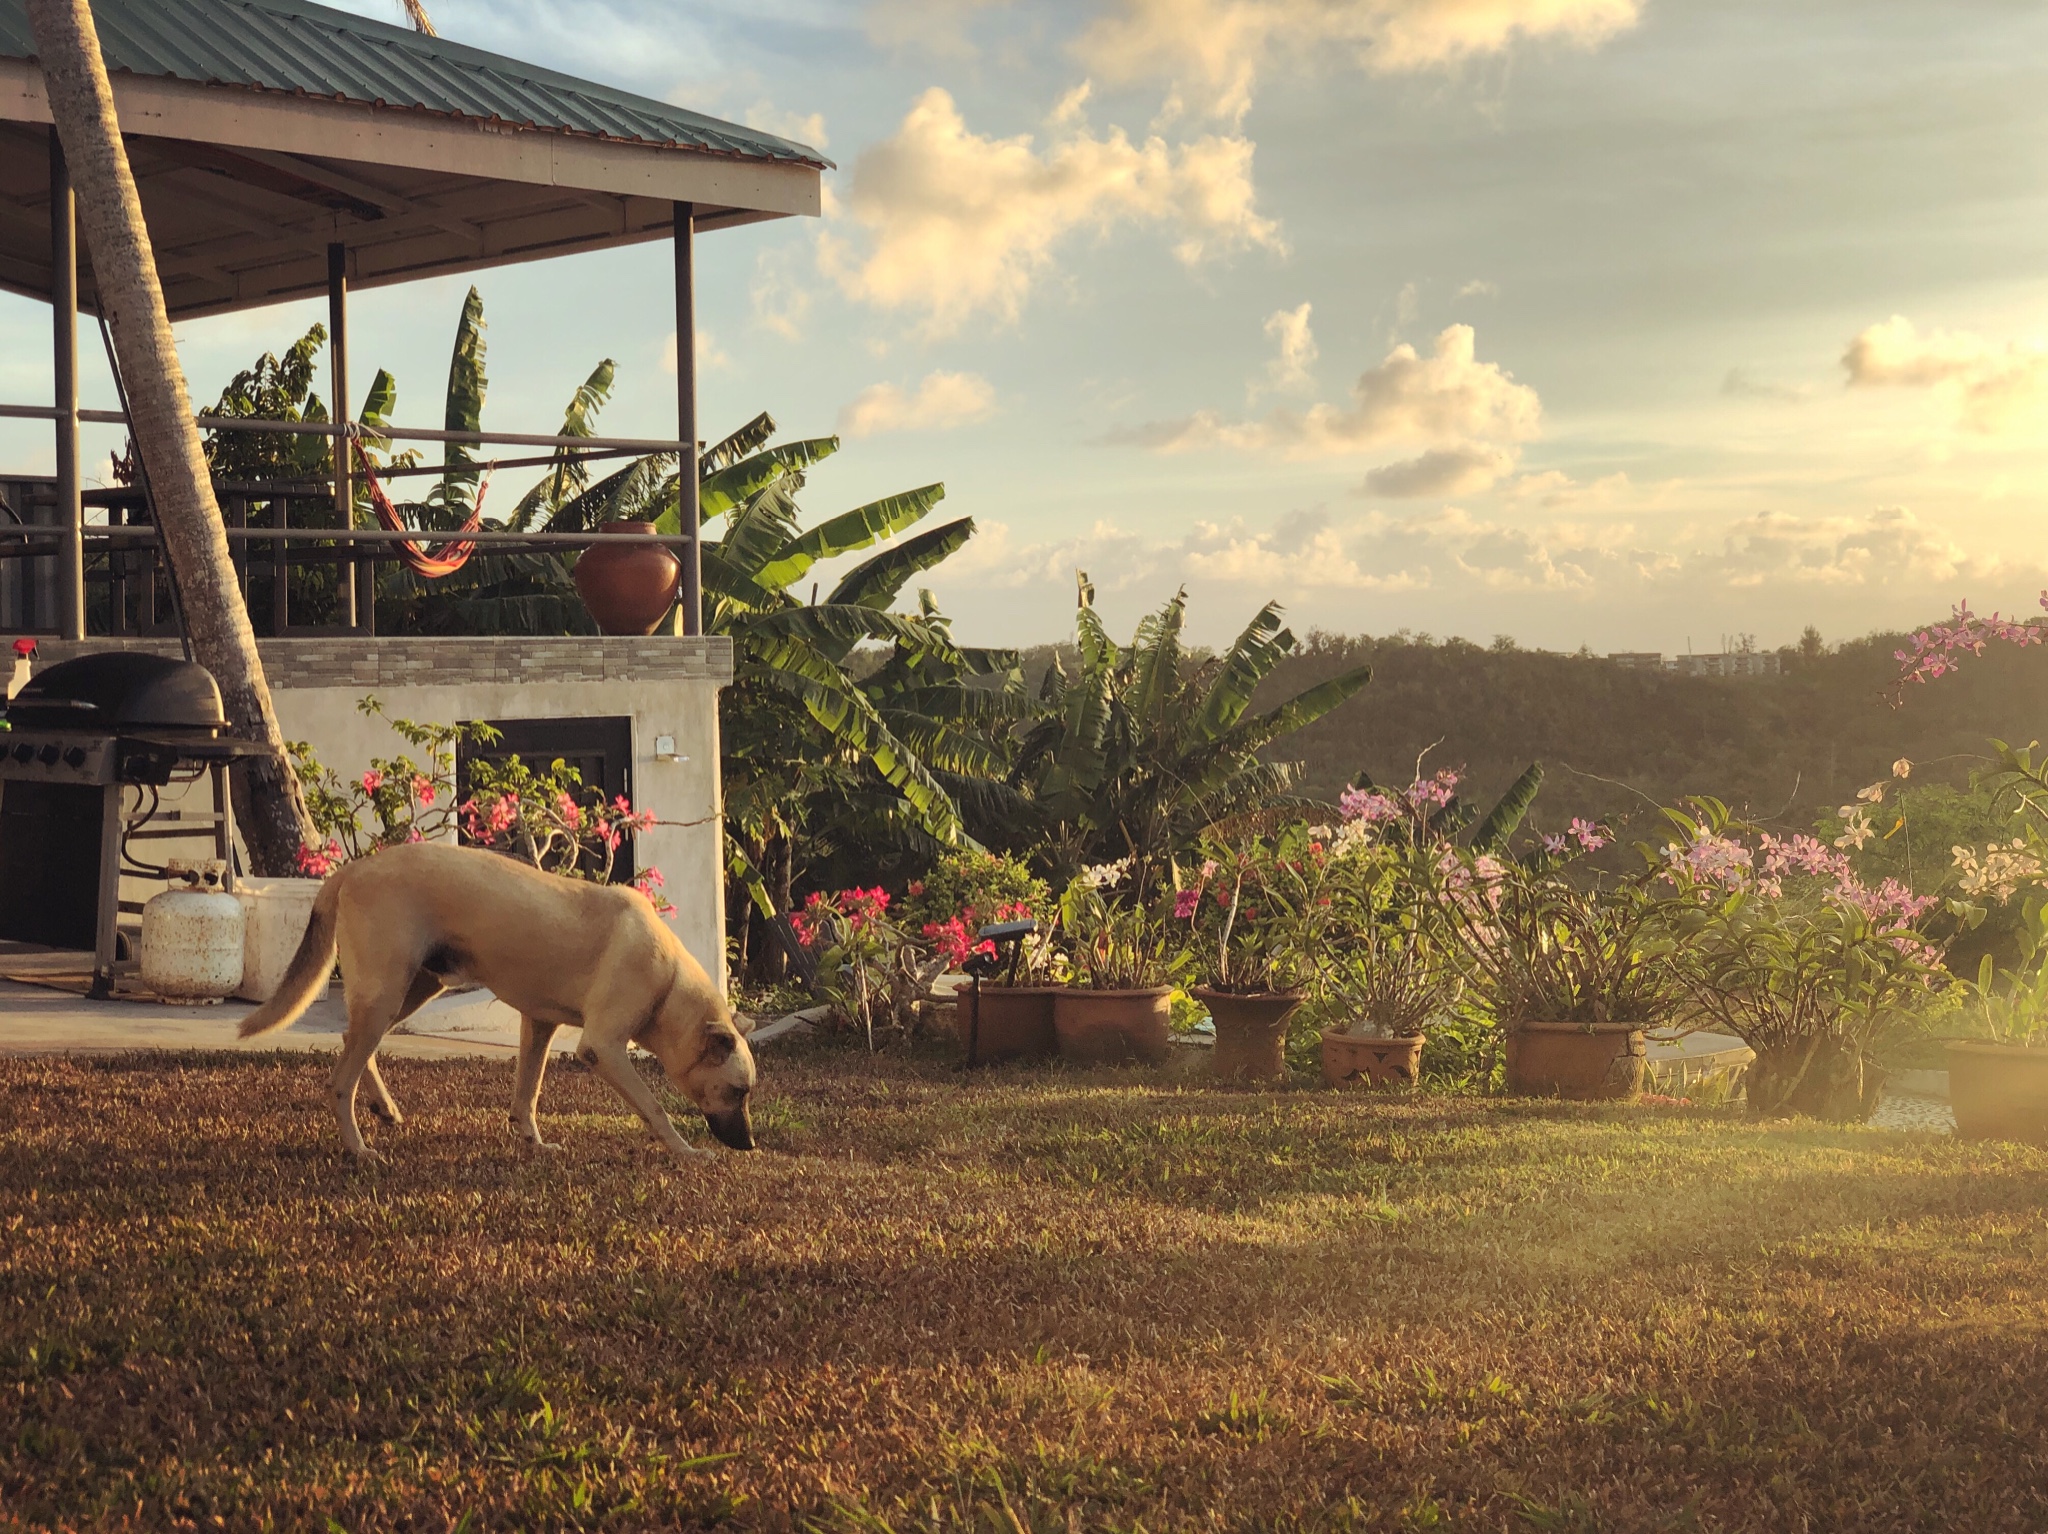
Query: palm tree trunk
{"type": "Point", "coordinates": [268, 803]}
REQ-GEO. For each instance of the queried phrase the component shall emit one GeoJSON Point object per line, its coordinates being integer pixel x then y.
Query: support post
{"type": "Point", "coordinates": [64, 353]}
{"type": "Point", "coordinates": [344, 464]}
{"type": "Point", "coordinates": [690, 601]}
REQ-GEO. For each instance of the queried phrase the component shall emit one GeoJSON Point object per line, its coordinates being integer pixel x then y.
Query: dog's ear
{"type": "Point", "coordinates": [719, 1043]}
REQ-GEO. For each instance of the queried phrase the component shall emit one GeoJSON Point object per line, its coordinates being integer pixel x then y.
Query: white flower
{"type": "Point", "coordinates": [1102, 875]}
{"type": "Point", "coordinates": [1902, 768]}
{"type": "Point", "coordinates": [1873, 793]}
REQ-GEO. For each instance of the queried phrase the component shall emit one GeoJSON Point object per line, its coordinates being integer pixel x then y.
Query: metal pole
{"type": "Point", "coordinates": [64, 352]}
{"type": "Point", "coordinates": [337, 358]}
{"type": "Point", "coordinates": [691, 599]}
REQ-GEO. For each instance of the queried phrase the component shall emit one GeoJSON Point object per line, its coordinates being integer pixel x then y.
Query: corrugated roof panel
{"type": "Point", "coordinates": [292, 45]}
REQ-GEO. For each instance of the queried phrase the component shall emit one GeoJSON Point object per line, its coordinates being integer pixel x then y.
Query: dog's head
{"type": "Point", "coordinates": [706, 1059]}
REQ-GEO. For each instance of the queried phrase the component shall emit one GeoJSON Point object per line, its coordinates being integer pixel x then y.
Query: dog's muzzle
{"type": "Point", "coordinates": [735, 1129]}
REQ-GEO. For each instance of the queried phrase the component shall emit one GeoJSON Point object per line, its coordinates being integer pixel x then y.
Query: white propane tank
{"type": "Point", "coordinates": [192, 937]}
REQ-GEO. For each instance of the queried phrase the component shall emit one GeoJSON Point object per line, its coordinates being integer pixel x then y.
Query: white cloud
{"type": "Point", "coordinates": [1463, 470]}
{"type": "Point", "coordinates": [1479, 287]}
{"type": "Point", "coordinates": [1289, 371]}
{"type": "Point", "coordinates": [710, 355]}
{"type": "Point", "coordinates": [1215, 50]}
{"type": "Point", "coordinates": [1754, 563]}
{"type": "Point", "coordinates": [956, 223]}
{"type": "Point", "coordinates": [1448, 398]}
{"type": "Point", "coordinates": [942, 401]}
{"type": "Point", "coordinates": [1987, 385]}
{"type": "Point", "coordinates": [1889, 547]}
{"type": "Point", "coordinates": [806, 128]}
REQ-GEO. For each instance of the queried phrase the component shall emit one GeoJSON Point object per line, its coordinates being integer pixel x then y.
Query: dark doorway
{"type": "Point", "coordinates": [601, 749]}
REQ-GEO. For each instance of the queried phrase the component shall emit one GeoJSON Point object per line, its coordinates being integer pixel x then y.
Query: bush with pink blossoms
{"type": "Point", "coordinates": [871, 972]}
{"type": "Point", "coordinates": [1775, 940]}
{"type": "Point", "coordinates": [547, 818]}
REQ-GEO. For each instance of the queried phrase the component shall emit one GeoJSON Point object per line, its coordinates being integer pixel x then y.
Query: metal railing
{"type": "Point", "coordinates": [280, 566]}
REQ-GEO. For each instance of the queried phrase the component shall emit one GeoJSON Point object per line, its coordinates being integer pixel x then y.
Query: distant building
{"type": "Point", "coordinates": [1732, 663]}
{"type": "Point", "coordinates": [1736, 663]}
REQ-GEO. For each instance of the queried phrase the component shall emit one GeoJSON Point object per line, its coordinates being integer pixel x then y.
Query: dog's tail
{"type": "Point", "coordinates": [307, 972]}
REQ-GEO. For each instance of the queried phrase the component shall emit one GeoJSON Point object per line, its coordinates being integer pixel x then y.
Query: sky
{"type": "Point", "coordinates": [1634, 324]}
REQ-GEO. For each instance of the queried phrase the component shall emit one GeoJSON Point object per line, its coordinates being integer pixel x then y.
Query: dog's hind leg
{"type": "Point", "coordinates": [611, 1062]}
{"type": "Point", "coordinates": [425, 988]}
{"type": "Point", "coordinates": [372, 1013]}
{"type": "Point", "coordinates": [534, 1038]}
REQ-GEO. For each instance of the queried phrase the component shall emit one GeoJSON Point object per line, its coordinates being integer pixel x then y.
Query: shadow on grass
{"type": "Point", "coordinates": [1046, 1292]}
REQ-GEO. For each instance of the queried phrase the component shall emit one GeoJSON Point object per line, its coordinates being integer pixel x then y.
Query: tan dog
{"type": "Point", "coordinates": [564, 953]}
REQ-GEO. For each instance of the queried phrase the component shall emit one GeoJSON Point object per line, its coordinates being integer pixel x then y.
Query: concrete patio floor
{"type": "Point", "coordinates": [37, 1020]}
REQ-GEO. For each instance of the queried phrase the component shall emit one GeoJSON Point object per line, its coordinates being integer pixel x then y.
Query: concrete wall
{"type": "Point", "coordinates": [665, 685]}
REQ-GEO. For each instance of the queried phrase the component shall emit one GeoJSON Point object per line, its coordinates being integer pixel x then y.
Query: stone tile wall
{"type": "Point", "coordinates": [414, 662]}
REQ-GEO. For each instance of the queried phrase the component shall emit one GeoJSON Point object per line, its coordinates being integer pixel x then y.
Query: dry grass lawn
{"type": "Point", "coordinates": [1039, 1301]}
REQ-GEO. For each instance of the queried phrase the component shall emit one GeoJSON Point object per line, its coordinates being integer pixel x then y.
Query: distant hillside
{"type": "Point", "coordinates": [1783, 749]}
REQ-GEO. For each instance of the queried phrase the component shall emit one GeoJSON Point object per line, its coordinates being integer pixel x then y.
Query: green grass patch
{"type": "Point", "coordinates": [1031, 1300]}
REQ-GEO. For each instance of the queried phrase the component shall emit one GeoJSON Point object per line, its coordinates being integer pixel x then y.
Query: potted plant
{"type": "Point", "coordinates": [1564, 969]}
{"type": "Point", "coordinates": [1258, 919]}
{"type": "Point", "coordinates": [1781, 945]}
{"type": "Point", "coordinates": [1998, 1083]}
{"type": "Point", "coordinates": [1118, 1006]}
{"type": "Point", "coordinates": [1388, 976]}
{"type": "Point", "coordinates": [1009, 1015]}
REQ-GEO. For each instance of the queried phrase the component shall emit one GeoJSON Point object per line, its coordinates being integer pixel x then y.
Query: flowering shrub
{"type": "Point", "coordinates": [966, 891]}
{"type": "Point", "coordinates": [546, 818]}
{"type": "Point", "coordinates": [396, 800]}
{"type": "Point", "coordinates": [1261, 911]}
{"type": "Point", "coordinates": [868, 968]}
{"type": "Point", "coordinates": [1782, 945]}
{"type": "Point", "coordinates": [1939, 649]}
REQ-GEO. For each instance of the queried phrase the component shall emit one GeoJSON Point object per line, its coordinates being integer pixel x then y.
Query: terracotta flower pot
{"type": "Point", "coordinates": [1366, 1060]}
{"type": "Point", "coordinates": [628, 588]}
{"type": "Point", "coordinates": [1251, 1032]}
{"type": "Point", "coordinates": [1999, 1092]}
{"type": "Point", "coordinates": [1015, 1023]}
{"type": "Point", "coordinates": [1591, 1062]}
{"type": "Point", "coordinates": [1113, 1027]}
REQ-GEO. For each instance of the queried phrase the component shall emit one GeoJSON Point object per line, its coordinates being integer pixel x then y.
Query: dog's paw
{"type": "Point", "coordinates": [369, 1157]}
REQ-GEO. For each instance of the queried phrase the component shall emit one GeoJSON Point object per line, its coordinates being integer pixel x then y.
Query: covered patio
{"type": "Point", "coordinates": [284, 150]}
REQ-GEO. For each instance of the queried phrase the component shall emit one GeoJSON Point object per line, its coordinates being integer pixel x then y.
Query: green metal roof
{"type": "Point", "coordinates": [312, 50]}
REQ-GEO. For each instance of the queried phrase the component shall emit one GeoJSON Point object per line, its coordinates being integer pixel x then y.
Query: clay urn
{"type": "Point", "coordinates": [628, 588]}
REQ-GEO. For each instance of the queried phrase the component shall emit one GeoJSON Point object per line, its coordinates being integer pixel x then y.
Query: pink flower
{"type": "Point", "coordinates": [649, 882]}
{"type": "Point", "coordinates": [1366, 804]}
{"type": "Point", "coordinates": [372, 781]}
{"type": "Point", "coordinates": [1554, 842]}
{"type": "Point", "coordinates": [1186, 903]}
{"type": "Point", "coordinates": [423, 788]}
{"type": "Point", "coordinates": [1589, 835]}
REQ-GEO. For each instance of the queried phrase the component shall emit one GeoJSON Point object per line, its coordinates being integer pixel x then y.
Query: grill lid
{"type": "Point", "coordinates": [120, 690]}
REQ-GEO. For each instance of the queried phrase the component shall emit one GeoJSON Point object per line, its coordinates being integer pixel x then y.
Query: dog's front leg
{"type": "Point", "coordinates": [534, 1038]}
{"type": "Point", "coordinates": [611, 1062]}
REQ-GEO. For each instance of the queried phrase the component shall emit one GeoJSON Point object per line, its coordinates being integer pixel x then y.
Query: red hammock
{"type": "Point", "coordinates": [453, 556]}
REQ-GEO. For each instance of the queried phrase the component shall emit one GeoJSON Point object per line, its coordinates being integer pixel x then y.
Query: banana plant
{"type": "Point", "coordinates": [1141, 747]}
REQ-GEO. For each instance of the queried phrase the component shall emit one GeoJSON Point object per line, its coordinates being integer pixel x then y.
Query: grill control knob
{"type": "Point", "coordinates": [48, 755]}
{"type": "Point", "coordinates": [24, 752]}
{"type": "Point", "coordinates": [75, 757]}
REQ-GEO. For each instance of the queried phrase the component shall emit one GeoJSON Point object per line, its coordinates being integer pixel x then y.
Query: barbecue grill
{"type": "Point", "coordinates": [90, 746]}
